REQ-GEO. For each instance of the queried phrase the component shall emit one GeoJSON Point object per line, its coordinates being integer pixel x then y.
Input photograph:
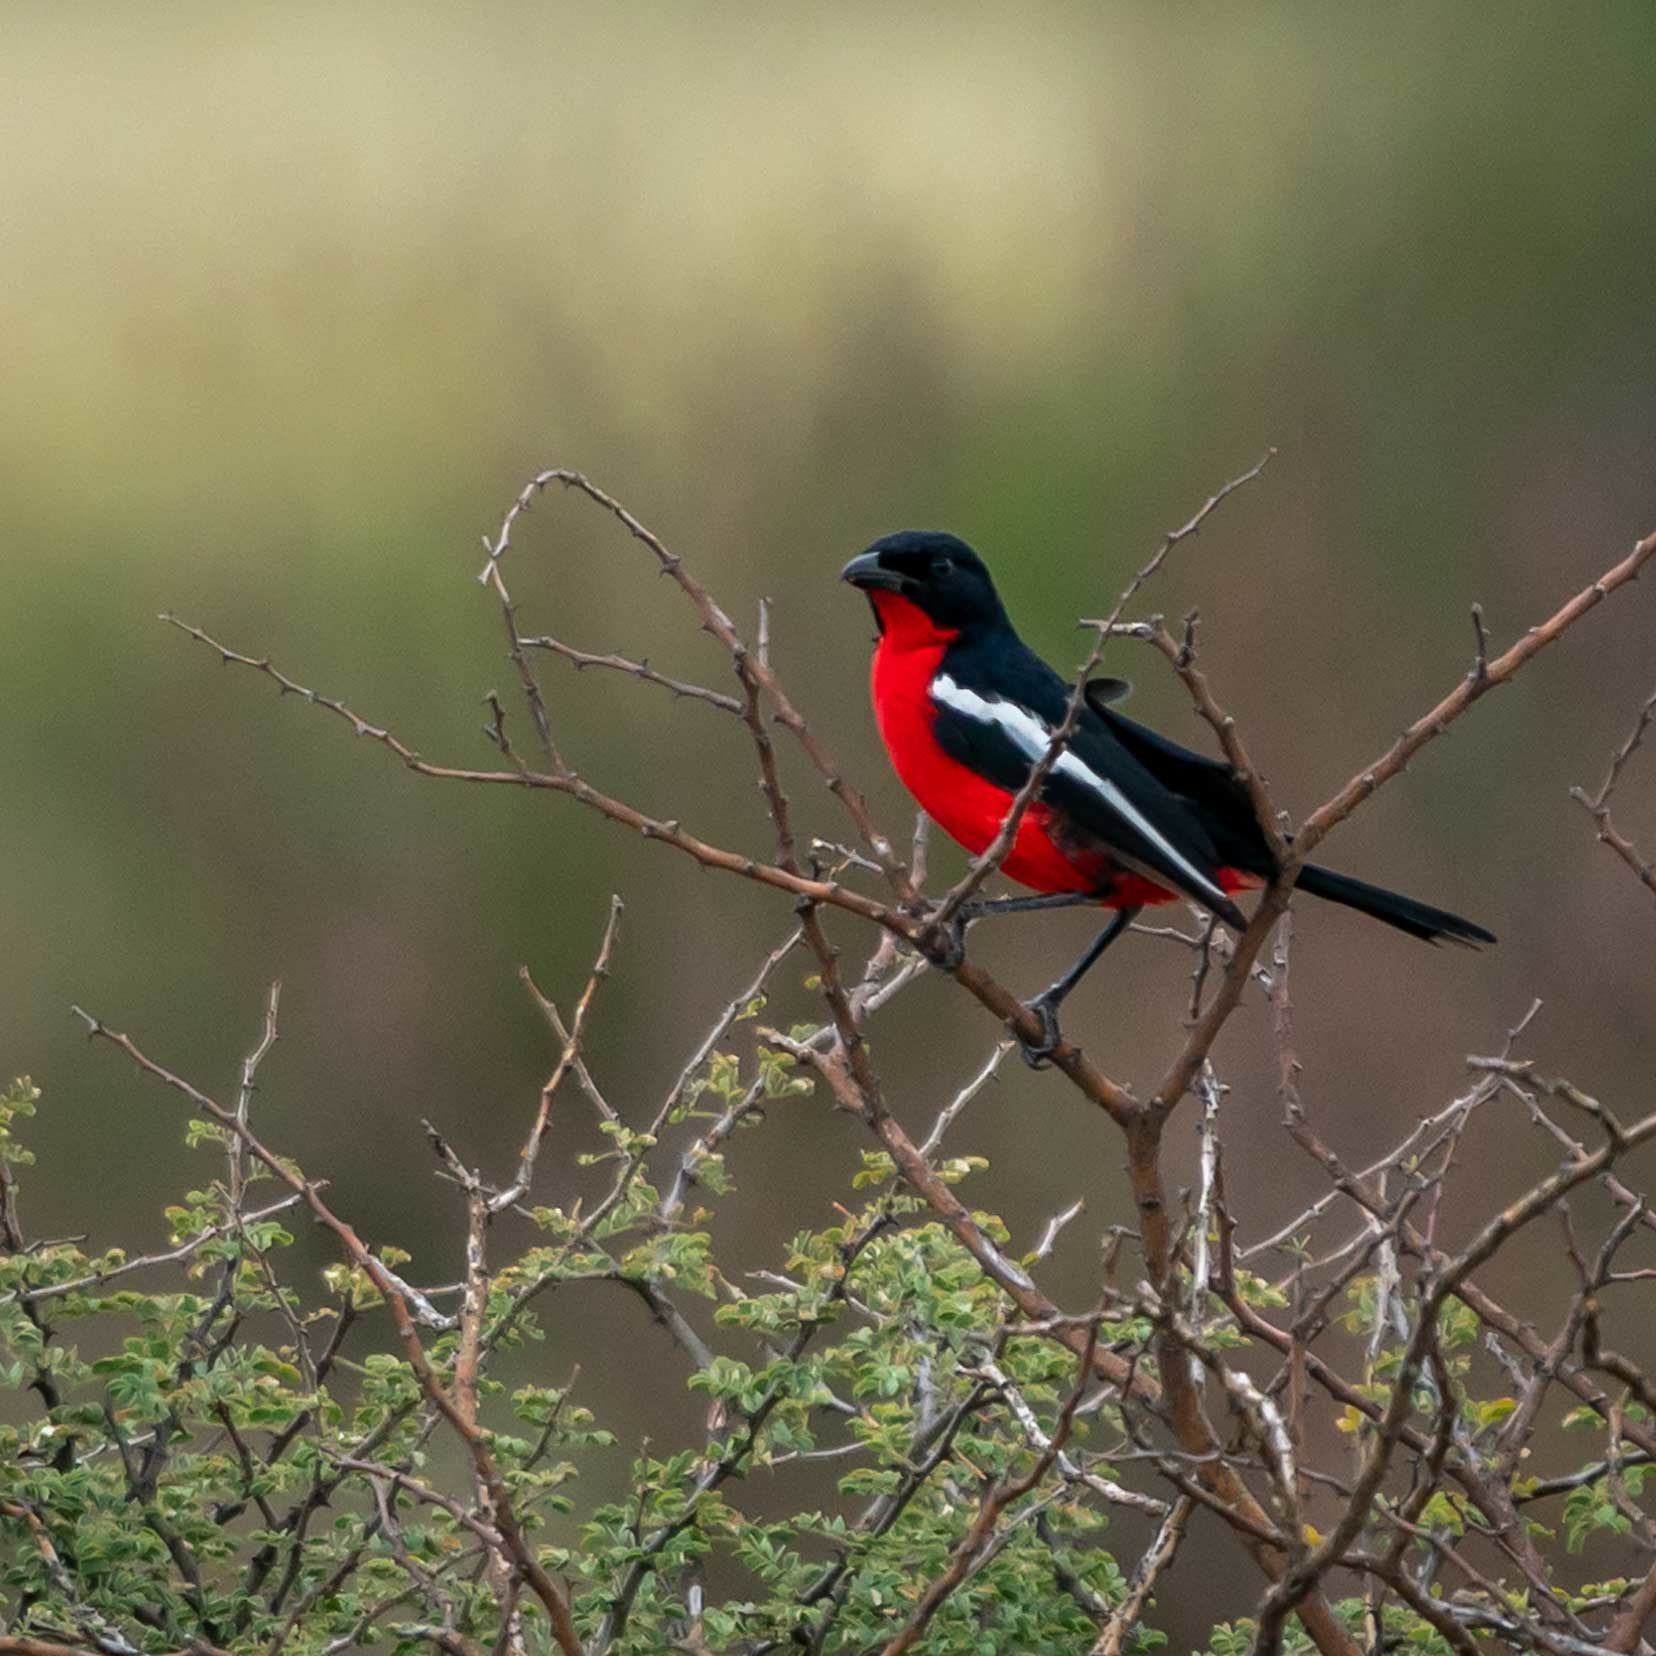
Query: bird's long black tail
{"type": "Point", "coordinates": [1417, 919]}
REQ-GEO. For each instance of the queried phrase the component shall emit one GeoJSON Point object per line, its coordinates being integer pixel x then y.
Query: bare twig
{"type": "Point", "coordinates": [244, 1099]}
{"type": "Point", "coordinates": [947, 1116]}
{"type": "Point", "coordinates": [1541, 1198]}
{"type": "Point", "coordinates": [1363, 786]}
{"type": "Point", "coordinates": [144, 1262]}
{"type": "Point", "coordinates": [678, 688]}
{"type": "Point", "coordinates": [1124, 1619]}
{"type": "Point", "coordinates": [1598, 805]}
{"type": "Point", "coordinates": [1109, 1095]}
{"type": "Point", "coordinates": [567, 1059]}
{"type": "Point", "coordinates": [1053, 1227]}
{"type": "Point", "coordinates": [719, 626]}
{"type": "Point", "coordinates": [1429, 726]}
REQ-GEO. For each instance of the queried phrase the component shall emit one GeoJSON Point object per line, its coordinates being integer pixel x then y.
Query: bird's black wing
{"type": "Point", "coordinates": [997, 716]}
{"type": "Point", "coordinates": [1208, 784]}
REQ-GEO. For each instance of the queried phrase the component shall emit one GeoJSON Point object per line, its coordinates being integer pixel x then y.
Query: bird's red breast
{"type": "Point", "coordinates": [964, 805]}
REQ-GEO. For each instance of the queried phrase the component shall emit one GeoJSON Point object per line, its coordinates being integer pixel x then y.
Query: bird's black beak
{"type": "Point", "coordinates": [871, 575]}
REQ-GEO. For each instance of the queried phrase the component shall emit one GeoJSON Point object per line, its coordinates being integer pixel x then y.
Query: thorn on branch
{"type": "Point", "coordinates": [1187, 645]}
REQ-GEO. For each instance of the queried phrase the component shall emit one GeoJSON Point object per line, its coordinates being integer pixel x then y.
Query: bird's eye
{"type": "Point", "coordinates": [943, 566]}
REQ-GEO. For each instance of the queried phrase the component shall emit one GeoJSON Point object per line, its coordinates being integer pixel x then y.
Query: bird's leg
{"type": "Point", "coordinates": [1045, 1005]}
{"type": "Point", "coordinates": [952, 946]}
{"type": "Point", "coordinates": [1026, 905]}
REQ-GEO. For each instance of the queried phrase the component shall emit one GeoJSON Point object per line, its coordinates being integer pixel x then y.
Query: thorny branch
{"type": "Point", "coordinates": [1157, 1383]}
{"type": "Point", "coordinates": [1598, 805]}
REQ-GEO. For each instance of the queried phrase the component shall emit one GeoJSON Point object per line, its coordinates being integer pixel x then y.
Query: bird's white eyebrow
{"type": "Point", "coordinates": [1034, 737]}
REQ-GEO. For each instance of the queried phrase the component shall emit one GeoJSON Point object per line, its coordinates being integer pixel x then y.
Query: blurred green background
{"type": "Point", "coordinates": [293, 299]}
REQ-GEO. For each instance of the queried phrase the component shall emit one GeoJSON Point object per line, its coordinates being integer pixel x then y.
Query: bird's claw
{"type": "Point", "coordinates": [945, 946]}
{"type": "Point", "coordinates": [1038, 1054]}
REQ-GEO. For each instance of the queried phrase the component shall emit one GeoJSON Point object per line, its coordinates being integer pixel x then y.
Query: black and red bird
{"type": "Point", "coordinates": [1124, 819]}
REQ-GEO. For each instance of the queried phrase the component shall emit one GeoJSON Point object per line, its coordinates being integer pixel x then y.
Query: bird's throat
{"type": "Point", "coordinates": [905, 626]}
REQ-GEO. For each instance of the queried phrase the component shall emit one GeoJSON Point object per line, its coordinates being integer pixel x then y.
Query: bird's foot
{"type": "Point", "coordinates": [1038, 1054]}
{"type": "Point", "coordinates": [945, 945]}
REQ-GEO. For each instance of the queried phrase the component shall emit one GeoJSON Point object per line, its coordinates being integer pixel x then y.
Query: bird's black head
{"type": "Point", "coordinates": [937, 573]}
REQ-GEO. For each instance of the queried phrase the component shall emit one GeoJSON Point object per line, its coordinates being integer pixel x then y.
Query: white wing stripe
{"type": "Point", "coordinates": [1034, 738]}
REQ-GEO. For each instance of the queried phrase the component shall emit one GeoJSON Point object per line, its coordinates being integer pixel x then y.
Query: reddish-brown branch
{"type": "Point", "coordinates": [1361, 1190]}
{"type": "Point", "coordinates": [1363, 786]}
{"type": "Point", "coordinates": [1626, 1629]}
{"type": "Point", "coordinates": [1091, 1081]}
{"type": "Point", "coordinates": [1433, 724]}
{"type": "Point", "coordinates": [1181, 653]}
{"type": "Point", "coordinates": [719, 626]}
{"type": "Point", "coordinates": [1182, 1398]}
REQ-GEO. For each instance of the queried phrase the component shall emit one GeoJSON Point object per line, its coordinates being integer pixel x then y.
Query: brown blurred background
{"type": "Point", "coordinates": [293, 299]}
